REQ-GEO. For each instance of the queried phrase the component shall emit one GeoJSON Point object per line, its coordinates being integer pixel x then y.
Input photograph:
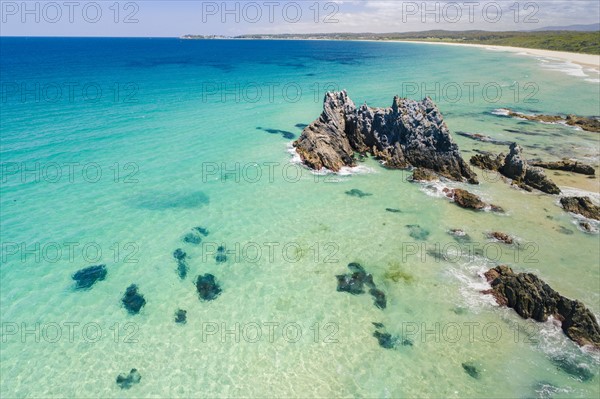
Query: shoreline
{"type": "Point", "coordinates": [591, 61]}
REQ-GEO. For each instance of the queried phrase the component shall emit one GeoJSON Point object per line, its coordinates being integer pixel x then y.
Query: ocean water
{"type": "Point", "coordinates": [112, 150]}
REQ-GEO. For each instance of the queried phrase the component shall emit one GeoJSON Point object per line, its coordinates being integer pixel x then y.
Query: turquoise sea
{"type": "Point", "coordinates": [112, 150]}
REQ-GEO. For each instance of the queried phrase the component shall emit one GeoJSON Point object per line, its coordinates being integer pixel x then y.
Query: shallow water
{"type": "Point", "coordinates": [168, 149]}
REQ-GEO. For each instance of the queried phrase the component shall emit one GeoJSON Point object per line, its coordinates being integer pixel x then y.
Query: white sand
{"type": "Point", "coordinates": [585, 60]}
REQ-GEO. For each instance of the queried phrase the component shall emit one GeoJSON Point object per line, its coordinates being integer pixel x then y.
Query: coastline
{"type": "Point", "coordinates": [585, 60]}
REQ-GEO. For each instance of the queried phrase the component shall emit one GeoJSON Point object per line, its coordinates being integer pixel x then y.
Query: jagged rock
{"type": "Point", "coordinates": [132, 300]}
{"type": "Point", "coordinates": [566, 165]}
{"type": "Point", "coordinates": [126, 381]}
{"type": "Point", "coordinates": [423, 174]}
{"type": "Point", "coordinates": [517, 168]}
{"type": "Point", "coordinates": [502, 237]}
{"type": "Point", "coordinates": [85, 278]}
{"type": "Point", "coordinates": [582, 206]}
{"type": "Point", "coordinates": [408, 133]}
{"type": "Point", "coordinates": [207, 287]}
{"type": "Point", "coordinates": [483, 138]}
{"type": "Point", "coordinates": [532, 298]}
{"type": "Point", "coordinates": [590, 124]}
{"type": "Point", "coordinates": [487, 162]}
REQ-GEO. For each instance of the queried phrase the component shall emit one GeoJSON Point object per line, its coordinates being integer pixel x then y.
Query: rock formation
{"type": "Point", "coordinates": [582, 206]}
{"type": "Point", "coordinates": [517, 168]}
{"type": "Point", "coordinates": [408, 133]}
{"type": "Point", "coordinates": [532, 298]}
{"type": "Point", "coordinates": [590, 124]}
{"type": "Point", "coordinates": [468, 200]}
{"type": "Point", "coordinates": [566, 165]}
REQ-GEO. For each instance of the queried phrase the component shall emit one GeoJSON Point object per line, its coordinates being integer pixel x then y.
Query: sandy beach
{"type": "Point", "coordinates": [585, 60]}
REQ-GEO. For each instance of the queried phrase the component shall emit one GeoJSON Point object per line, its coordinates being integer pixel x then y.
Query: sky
{"type": "Point", "coordinates": [162, 18]}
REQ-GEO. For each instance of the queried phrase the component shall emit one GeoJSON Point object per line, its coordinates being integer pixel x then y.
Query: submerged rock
{"type": "Point", "coordinates": [459, 235]}
{"type": "Point", "coordinates": [379, 298]}
{"type": "Point", "coordinates": [87, 277]}
{"type": "Point", "coordinates": [532, 298]}
{"type": "Point", "coordinates": [181, 316]}
{"type": "Point", "coordinates": [125, 381]}
{"type": "Point", "coordinates": [201, 230]}
{"type": "Point", "coordinates": [132, 300]}
{"type": "Point", "coordinates": [208, 288]}
{"type": "Point", "coordinates": [578, 370]}
{"type": "Point", "coordinates": [566, 165]}
{"type": "Point", "coordinates": [385, 339]}
{"type": "Point", "coordinates": [483, 138]}
{"type": "Point", "coordinates": [582, 206]}
{"type": "Point", "coordinates": [409, 133]}
{"type": "Point", "coordinates": [192, 238]}
{"type": "Point", "coordinates": [182, 267]}
{"type": "Point", "coordinates": [357, 193]}
{"type": "Point", "coordinates": [179, 254]}
{"type": "Point", "coordinates": [417, 232]}
{"type": "Point", "coordinates": [471, 369]}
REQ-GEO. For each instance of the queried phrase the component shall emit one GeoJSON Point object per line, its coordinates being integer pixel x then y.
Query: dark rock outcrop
{"type": "Point", "coordinates": [532, 298]}
{"type": "Point", "coordinates": [408, 133]}
{"type": "Point", "coordinates": [85, 278]}
{"type": "Point", "coordinates": [468, 200]}
{"type": "Point", "coordinates": [423, 174]}
{"type": "Point", "coordinates": [132, 300]}
{"type": "Point", "coordinates": [582, 206]}
{"type": "Point", "coordinates": [517, 168]}
{"type": "Point", "coordinates": [567, 165]}
{"type": "Point", "coordinates": [487, 162]}
{"type": "Point", "coordinates": [126, 381]}
{"type": "Point", "coordinates": [590, 124]}
{"type": "Point", "coordinates": [208, 288]}
{"type": "Point", "coordinates": [502, 237]}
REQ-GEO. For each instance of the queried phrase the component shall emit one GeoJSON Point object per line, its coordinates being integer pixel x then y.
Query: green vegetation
{"type": "Point", "coordinates": [572, 41]}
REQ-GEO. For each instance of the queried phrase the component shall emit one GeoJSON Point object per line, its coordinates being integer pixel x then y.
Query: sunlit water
{"type": "Point", "coordinates": [165, 148]}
